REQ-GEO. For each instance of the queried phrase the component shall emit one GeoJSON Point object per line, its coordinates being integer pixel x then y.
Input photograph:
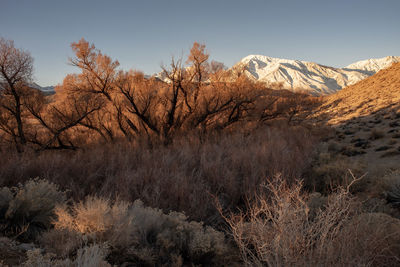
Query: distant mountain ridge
{"type": "Point", "coordinates": [44, 89]}
{"type": "Point", "coordinates": [311, 77]}
{"type": "Point", "coordinates": [47, 90]}
{"type": "Point", "coordinates": [374, 64]}
{"type": "Point", "coordinates": [297, 75]}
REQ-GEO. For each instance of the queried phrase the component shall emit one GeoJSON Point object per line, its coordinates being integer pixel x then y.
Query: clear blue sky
{"type": "Point", "coordinates": [143, 34]}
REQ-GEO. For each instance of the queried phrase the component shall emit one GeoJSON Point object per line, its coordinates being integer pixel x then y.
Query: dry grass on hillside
{"type": "Point", "coordinates": [380, 91]}
{"type": "Point", "coordinates": [366, 117]}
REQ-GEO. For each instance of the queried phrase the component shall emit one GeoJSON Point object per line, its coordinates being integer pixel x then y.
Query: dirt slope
{"type": "Point", "coordinates": [380, 91]}
{"type": "Point", "coordinates": [366, 117]}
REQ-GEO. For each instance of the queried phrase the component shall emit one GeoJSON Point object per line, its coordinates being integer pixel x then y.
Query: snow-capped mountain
{"type": "Point", "coordinates": [374, 65]}
{"type": "Point", "coordinates": [309, 76]}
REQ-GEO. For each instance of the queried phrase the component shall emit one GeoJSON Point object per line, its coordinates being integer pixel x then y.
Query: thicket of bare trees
{"type": "Point", "coordinates": [105, 103]}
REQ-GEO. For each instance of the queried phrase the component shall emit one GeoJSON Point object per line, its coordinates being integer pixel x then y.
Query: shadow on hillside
{"type": "Point", "coordinates": [372, 138]}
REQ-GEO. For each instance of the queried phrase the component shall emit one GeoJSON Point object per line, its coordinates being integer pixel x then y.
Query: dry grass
{"type": "Point", "coordinates": [370, 95]}
{"type": "Point", "coordinates": [280, 224]}
{"type": "Point", "coordinates": [364, 115]}
{"type": "Point", "coordinates": [185, 176]}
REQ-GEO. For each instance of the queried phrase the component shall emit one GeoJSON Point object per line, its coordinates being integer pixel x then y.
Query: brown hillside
{"type": "Point", "coordinates": [380, 91]}
{"type": "Point", "coordinates": [366, 119]}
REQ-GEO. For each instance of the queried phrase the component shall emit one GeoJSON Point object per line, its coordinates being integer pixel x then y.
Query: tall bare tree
{"type": "Point", "coordinates": [96, 80]}
{"type": "Point", "coordinates": [16, 68]}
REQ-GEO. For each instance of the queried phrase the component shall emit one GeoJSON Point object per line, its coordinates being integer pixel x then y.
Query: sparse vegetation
{"type": "Point", "coordinates": [28, 209]}
{"type": "Point", "coordinates": [200, 166]}
{"type": "Point", "coordinates": [376, 134]}
{"type": "Point", "coordinates": [185, 176]}
{"type": "Point", "coordinates": [282, 229]}
{"type": "Point", "coordinates": [143, 235]}
{"type": "Point", "coordinates": [329, 171]}
{"type": "Point", "coordinates": [392, 186]}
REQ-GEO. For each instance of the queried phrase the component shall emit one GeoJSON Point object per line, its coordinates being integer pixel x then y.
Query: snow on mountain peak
{"type": "Point", "coordinates": [374, 64]}
{"type": "Point", "coordinates": [309, 76]}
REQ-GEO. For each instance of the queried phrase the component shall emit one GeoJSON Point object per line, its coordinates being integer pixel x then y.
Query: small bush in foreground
{"type": "Point", "coordinates": [89, 256]}
{"type": "Point", "coordinates": [138, 234]}
{"type": "Point", "coordinates": [28, 209]}
{"type": "Point", "coordinates": [283, 230]}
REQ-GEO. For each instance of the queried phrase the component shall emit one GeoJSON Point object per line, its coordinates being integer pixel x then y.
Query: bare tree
{"type": "Point", "coordinates": [97, 80]}
{"type": "Point", "coordinates": [197, 96]}
{"type": "Point", "coordinates": [16, 67]}
{"type": "Point", "coordinates": [56, 120]}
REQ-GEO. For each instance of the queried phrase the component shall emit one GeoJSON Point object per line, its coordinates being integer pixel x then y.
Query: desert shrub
{"type": "Point", "coordinates": [391, 186]}
{"type": "Point", "coordinates": [392, 141]}
{"type": "Point", "coordinates": [98, 219]}
{"type": "Point", "coordinates": [391, 153]}
{"type": "Point", "coordinates": [10, 253]}
{"type": "Point", "coordinates": [88, 256]}
{"type": "Point", "coordinates": [193, 241]}
{"type": "Point", "coordinates": [315, 202]}
{"type": "Point", "coordinates": [91, 256]}
{"type": "Point", "coordinates": [139, 234]}
{"type": "Point", "coordinates": [370, 239]}
{"type": "Point", "coordinates": [351, 151]}
{"type": "Point", "coordinates": [330, 171]}
{"type": "Point", "coordinates": [28, 209]}
{"type": "Point", "coordinates": [61, 242]}
{"type": "Point", "coordinates": [281, 230]}
{"type": "Point", "coordinates": [182, 177]}
{"type": "Point", "coordinates": [334, 147]}
{"type": "Point", "coordinates": [376, 134]}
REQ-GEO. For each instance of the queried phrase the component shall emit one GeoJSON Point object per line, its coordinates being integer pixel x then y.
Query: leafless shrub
{"type": "Point", "coordinates": [278, 231]}
{"type": "Point", "coordinates": [182, 177]}
{"type": "Point", "coordinates": [330, 171]}
{"type": "Point", "coordinates": [369, 239]}
{"type": "Point", "coordinates": [90, 256]}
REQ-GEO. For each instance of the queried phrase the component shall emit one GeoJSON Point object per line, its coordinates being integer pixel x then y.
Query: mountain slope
{"type": "Point", "coordinates": [308, 76]}
{"type": "Point", "coordinates": [378, 92]}
{"type": "Point", "coordinates": [44, 89]}
{"type": "Point", "coordinates": [366, 119]}
{"type": "Point", "coordinates": [48, 90]}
